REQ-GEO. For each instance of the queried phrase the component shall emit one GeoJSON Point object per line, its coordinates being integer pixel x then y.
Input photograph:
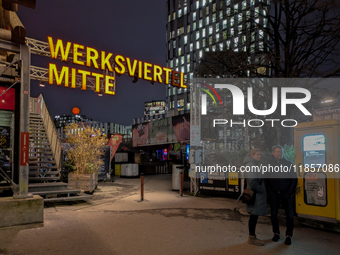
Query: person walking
{"type": "Point", "coordinates": [255, 182]}
{"type": "Point", "coordinates": [281, 188]}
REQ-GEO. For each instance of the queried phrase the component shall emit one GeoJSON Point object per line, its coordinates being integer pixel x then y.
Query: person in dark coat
{"type": "Point", "coordinates": [281, 187]}
{"type": "Point", "coordinates": [255, 182]}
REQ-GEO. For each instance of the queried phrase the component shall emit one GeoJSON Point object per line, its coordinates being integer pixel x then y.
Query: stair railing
{"type": "Point", "coordinates": [37, 105]}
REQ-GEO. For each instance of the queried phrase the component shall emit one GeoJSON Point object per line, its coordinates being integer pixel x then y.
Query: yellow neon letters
{"type": "Point", "coordinates": [90, 57]}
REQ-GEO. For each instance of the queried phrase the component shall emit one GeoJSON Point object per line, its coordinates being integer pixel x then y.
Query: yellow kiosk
{"type": "Point", "coordinates": [317, 160]}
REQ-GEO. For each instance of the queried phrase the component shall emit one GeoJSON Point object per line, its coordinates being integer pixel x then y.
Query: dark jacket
{"type": "Point", "coordinates": [283, 182]}
{"type": "Point", "coordinates": [256, 183]}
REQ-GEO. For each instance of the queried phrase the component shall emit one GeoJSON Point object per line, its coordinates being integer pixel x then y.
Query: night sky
{"type": "Point", "coordinates": [132, 28]}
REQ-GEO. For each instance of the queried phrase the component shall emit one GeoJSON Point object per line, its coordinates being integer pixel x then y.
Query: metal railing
{"type": "Point", "coordinates": [38, 106]}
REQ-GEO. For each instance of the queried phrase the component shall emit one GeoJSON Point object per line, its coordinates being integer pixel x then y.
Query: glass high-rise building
{"type": "Point", "coordinates": [198, 26]}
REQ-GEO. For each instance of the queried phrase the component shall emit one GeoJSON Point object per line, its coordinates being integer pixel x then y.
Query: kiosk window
{"type": "Point", "coordinates": [315, 187]}
{"type": "Point", "coordinates": [314, 149]}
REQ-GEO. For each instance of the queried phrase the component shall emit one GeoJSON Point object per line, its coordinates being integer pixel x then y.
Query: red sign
{"type": "Point", "coordinates": [7, 100]}
{"type": "Point", "coordinates": [24, 146]}
{"type": "Point", "coordinates": [114, 144]}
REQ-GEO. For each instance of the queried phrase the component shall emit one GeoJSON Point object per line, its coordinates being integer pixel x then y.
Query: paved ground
{"type": "Point", "coordinates": [115, 222]}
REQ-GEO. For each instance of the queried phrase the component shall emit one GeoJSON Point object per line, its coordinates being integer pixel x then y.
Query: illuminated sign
{"type": "Point", "coordinates": [90, 57]}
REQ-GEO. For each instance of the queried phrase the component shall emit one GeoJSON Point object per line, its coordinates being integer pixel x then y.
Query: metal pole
{"type": "Point", "coordinates": [24, 123]}
{"type": "Point", "coordinates": [141, 187]}
{"type": "Point", "coordinates": [181, 184]}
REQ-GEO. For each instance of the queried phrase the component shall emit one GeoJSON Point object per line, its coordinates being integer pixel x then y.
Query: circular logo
{"type": "Point", "coordinates": [75, 110]}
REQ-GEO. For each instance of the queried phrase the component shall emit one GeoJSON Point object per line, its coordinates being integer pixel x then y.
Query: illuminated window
{"type": "Point", "coordinates": [210, 40]}
{"type": "Point", "coordinates": [200, 54]}
{"type": "Point", "coordinates": [174, 16]}
{"type": "Point", "coordinates": [214, 7]}
{"type": "Point", "coordinates": [203, 43]}
{"type": "Point", "coordinates": [228, 44]}
{"type": "Point", "coordinates": [169, 18]}
{"type": "Point", "coordinates": [214, 17]}
{"type": "Point", "coordinates": [207, 10]}
{"type": "Point", "coordinates": [197, 35]}
{"type": "Point", "coordinates": [200, 23]}
{"type": "Point", "coordinates": [224, 24]}
{"type": "Point", "coordinates": [232, 31]}
{"type": "Point", "coordinates": [194, 26]}
{"type": "Point", "coordinates": [217, 27]}
{"type": "Point", "coordinates": [194, 16]}
{"type": "Point", "coordinates": [240, 29]}
{"type": "Point", "coordinates": [257, 12]}
{"type": "Point", "coordinates": [252, 2]}
{"type": "Point", "coordinates": [207, 21]}
{"type": "Point", "coordinates": [197, 4]}
{"type": "Point", "coordinates": [265, 22]}
{"type": "Point", "coordinates": [203, 2]}
{"type": "Point", "coordinates": [185, 10]}
{"type": "Point", "coordinates": [232, 21]}
{"type": "Point", "coordinates": [179, 13]}
{"type": "Point", "coordinates": [235, 42]}
{"type": "Point", "coordinates": [227, 2]}
{"type": "Point", "coordinates": [252, 48]}
{"type": "Point", "coordinates": [239, 17]}
{"type": "Point", "coordinates": [213, 48]}
{"type": "Point", "coordinates": [244, 5]}
{"type": "Point", "coordinates": [182, 69]}
{"type": "Point", "coordinates": [217, 37]}
{"type": "Point", "coordinates": [221, 46]}
{"type": "Point", "coordinates": [188, 67]}
{"type": "Point", "coordinates": [261, 48]}
{"type": "Point", "coordinates": [221, 14]}
{"type": "Point", "coordinates": [225, 36]}
{"type": "Point", "coordinates": [185, 39]}
{"type": "Point", "coordinates": [180, 31]}
{"type": "Point", "coordinates": [253, 36]}
{"type": "Point", "coordinates": [197, 45]}
{"type": "Point", "coordinates": [236, 8]}
{"type": "Point", "coordinates": [188, 58]}
{"type": "Point", "coordinates": [203, 33]}
{"type": "Point", "coordinates": [191, 47]}
{"type": "Point", "coordinates": [235, 49]}
{"type": "Point", "coordinates": [261, 34]}
{"type": "Point", "coordinates": [210, 30]}
{"type": "Point", "coordinates": [257, 21]}
{"type": "Point", "coordinates": [174, 44]}
{"type": "Point", "coordinates": [228, 11]}
{"type": "Point", "coordinates": [171, 64]}
{"type": "Point", "coordinates": [179, 51]}
{"type": "Point", "coordinates": [244, 39]}
{"type": "Point", "coordinates": [176, 61]}
{"type": "Point", "coordinates": [245, 49]}
{"type": "Point", "coordinates": [188, 28]}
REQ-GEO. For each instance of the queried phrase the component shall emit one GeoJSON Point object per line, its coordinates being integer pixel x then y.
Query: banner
{"type": "Point", "coordinates": [114, 144]}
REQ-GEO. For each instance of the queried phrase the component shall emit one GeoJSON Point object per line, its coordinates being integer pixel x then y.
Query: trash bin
{"type": "Point", "coordinates": [176, 170]}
